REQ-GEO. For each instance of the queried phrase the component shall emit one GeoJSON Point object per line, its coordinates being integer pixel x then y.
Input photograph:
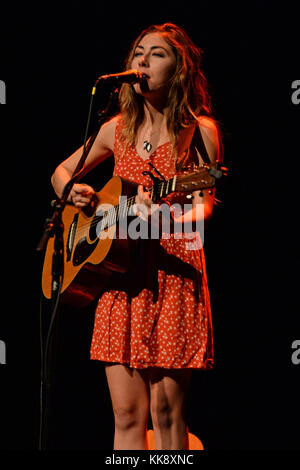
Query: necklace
{"type": "Point", "coordinates": [147, 146]}
{"type": "Point", "coordinates": [151, 135]}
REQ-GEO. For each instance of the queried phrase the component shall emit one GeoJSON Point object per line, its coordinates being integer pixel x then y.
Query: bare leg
{"type": "Point", "coordinates": [129, 393]}
{"type": "Point", "coordinates": [168, 391]}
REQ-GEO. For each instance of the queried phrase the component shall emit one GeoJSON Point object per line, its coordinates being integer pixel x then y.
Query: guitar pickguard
{"type": "Point", "coordinates": [83, 250]}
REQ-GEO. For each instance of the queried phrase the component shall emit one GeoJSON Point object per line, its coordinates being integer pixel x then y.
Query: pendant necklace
{"type": "Point", "coordinates": [147, 146]}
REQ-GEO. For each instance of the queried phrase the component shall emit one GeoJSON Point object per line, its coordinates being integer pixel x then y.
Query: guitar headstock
{"type": "Point", "coordinates": [189, 179]}
{"type": "Point", "coordinates": [194, 178]}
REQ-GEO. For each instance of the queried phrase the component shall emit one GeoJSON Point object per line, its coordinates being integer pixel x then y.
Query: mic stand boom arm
{"type": "Point", "coordinates": [50, 225]}
{"type": "Point", "coordinates": [54, 228]}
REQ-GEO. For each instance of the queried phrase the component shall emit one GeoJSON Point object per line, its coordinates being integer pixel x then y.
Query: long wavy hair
{"type": "Point", "coordinates": [188, 96]}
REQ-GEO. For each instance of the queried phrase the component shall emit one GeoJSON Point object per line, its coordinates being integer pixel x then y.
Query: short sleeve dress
{"type": "Point", "coordinates": [156, 314]}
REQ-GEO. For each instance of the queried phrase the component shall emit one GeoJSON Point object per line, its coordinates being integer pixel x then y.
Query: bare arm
{"type": "Point", "coordinates": [211, 141]}
{"type": "Point", "coordinates": [102, 148]}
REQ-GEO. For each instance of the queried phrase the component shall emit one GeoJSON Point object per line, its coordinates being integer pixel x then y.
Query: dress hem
{"type": "Point", "coordinates": [208, 364]}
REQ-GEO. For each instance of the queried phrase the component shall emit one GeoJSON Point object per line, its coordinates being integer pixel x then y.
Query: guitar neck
{"type": "Point", "coordinates": [125, 207]}
{"type": "Point", "coordinates": [162, 188]}
{"type": "Point", "coordinates": [190, 181]}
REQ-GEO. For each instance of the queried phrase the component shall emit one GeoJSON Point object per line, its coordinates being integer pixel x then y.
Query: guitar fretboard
{"type": "Point", "coordinates": [125, 208]}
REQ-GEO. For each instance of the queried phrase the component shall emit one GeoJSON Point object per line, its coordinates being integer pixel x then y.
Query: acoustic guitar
{"type": "Point", "coordinates": [94, 244]}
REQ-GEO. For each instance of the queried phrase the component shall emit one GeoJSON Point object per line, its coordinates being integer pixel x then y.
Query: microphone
{"type": "Point", "coordinates": [129, 76]}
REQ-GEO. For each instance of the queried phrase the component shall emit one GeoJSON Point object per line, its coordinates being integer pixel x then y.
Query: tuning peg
{"type": "Point", "coordinates": [223, 169]}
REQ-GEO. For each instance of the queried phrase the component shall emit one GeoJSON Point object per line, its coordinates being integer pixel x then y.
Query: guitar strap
{"type": "Point", "coordinates": [194, 146]}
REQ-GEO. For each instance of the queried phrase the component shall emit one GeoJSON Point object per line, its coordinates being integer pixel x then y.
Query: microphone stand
{"type": "Point", "coordinates": [54, 228]}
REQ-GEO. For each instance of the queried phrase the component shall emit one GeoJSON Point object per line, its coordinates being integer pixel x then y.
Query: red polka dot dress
{"type": "Point", "coordinates": [157, 314]}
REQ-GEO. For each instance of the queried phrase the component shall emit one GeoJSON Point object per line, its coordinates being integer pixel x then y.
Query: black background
{"type": "Point", "coordinates": [51, 54]}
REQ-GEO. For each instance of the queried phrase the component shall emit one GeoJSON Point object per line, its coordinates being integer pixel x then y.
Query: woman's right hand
{"type": "Point", "coordinates": [81, 195]}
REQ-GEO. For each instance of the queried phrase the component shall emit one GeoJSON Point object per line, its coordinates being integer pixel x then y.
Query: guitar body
{"type": "Point", "coordinates": [90, 257]}
{"type": "Point", "coordinates": [95, 244]}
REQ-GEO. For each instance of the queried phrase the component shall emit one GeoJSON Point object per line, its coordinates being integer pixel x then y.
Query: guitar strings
{"type": "Point", "coordinates": [112, 214]}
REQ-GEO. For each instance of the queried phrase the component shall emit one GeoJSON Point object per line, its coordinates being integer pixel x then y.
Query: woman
{"type": "Point", "coordinates": [153, 323]}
